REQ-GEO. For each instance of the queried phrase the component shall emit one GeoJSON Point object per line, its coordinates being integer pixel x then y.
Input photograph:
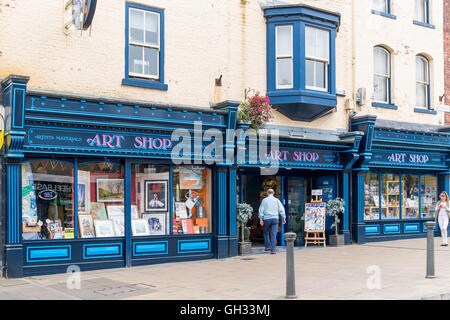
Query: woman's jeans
{"type": "Point", "coordinates": [270, 234]}
{"type": "Point", "coordinates": [443, 224]}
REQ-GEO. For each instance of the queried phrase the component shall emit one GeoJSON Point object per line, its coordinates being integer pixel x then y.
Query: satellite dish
{"type": "Point", "coordinates": [83, 13]}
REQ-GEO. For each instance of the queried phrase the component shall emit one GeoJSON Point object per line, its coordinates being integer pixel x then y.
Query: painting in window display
{"type": "Point", "coordinates": [191, 200]}
{"type": "Point", "coordinates": [390, 196]}
{"type": "Point", "coordinates": [429, 195]}
{"type": "Point", "coordinates": [371, 196]}
{"type": "Point", "coordinates": [47, 199]}
{"type": "Point", "coordinates": [410, 185]}
{"type": "Point", "coordinates": [150, 196]}
{"type": "Point", "coordinates": [102, 211]}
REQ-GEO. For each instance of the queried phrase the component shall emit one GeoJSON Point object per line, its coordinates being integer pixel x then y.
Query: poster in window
{"type": "Point", "coordinates": [86, 226]}
{"type": "Point", "coordinates": [84, 192]}
{"type": "Point", "coordinates": [315, 216]}
{"type": "Point", "coordinates": [156, 195]}
{"type": "Point", "coordinates": [191, 178]}
{"type": "Point", "coordinates": [156, 222]}
{"type": "Point", "coordinates": [29, 206]}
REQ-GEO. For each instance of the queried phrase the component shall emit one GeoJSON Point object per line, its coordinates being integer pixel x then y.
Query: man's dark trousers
{"type": "Point", "coordinates": [270, 229]}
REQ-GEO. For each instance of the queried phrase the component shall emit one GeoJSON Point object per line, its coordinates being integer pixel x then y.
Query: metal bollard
{"type": "Point", "coordinates": [290, 273]}
{"type": "Point", "coordinates": [430, 249]}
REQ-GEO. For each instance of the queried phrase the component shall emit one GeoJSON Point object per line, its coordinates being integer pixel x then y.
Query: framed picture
{"type": "Point", "coordinates": [156, 195]}
{"type": "Point", "coordinates": [134, 212]}
{"type": "Point", "coordinates": [110, 190]}
{"type": "Point", "coordinates": [191, 178]}
{"type": "Point", "coordinates": [115, 212]}
{"type": "Point", "coordinates": [139, 227]}
{"type": "Point", "coordinates": [156, 222]}
{"type": "Point", "coordinates": [86, 226]}
{"type": "Point", "coordinates": [104, 228]}
{"type": "Point", "coordinates": [119, 226]}
{"type": "Point", "coordinates": [98, 211]}
{"type": "Point", "coordinates": [84, 192]}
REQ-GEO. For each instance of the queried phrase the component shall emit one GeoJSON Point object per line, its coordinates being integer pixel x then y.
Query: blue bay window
{"type": "Point", "coordinates": [301, 63]}
{"type": "Point", "coordinates": [144, 47]}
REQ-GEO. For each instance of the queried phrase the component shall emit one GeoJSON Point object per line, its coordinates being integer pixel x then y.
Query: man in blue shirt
{"type": "Point", "coordinates": [269, 210]}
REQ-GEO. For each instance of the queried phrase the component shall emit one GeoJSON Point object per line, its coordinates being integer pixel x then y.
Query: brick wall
{"type": "Point", "coordinates": [447, 56]}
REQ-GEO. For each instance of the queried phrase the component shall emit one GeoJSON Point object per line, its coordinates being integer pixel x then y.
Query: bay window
{"type": "Point", "coordinates": [317, 58]}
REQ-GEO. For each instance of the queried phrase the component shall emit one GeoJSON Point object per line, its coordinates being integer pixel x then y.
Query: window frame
{"type": "Point", "coordinates": [316, 59]}
{"type": "Point", "coordinates": [388, 77]}
{"type": "Point", "coordinates": [388, 7]}
{"type": "Point", "coordinates": [426, 10]}
{"type": "Point", "coordinates": [137, 79]}
{"type": "Point", "coordinates": [426, 83]}
{"type": "Point", "coordinates": [277, 57]}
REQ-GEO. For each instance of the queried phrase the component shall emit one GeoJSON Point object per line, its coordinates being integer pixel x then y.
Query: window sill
{"type": "Point", "coordinates": [144, 84]}
{"type": "Point", "coordinates": [384, 14]}
{"type": "Point", "coordinates": [384, 105]}
{"type": "Point", "coordinates": [429, 111]}
{"type": "Point", "coordinates": [426, 25]}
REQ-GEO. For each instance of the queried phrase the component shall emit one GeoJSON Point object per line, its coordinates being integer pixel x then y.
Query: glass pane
{"type": "Point", "coordinates": [379, 5]}
{"type": "Point", "coordinates": [309, 73]}
{"type": "Point", "coordinates": [380, 88]}
{"type": "Point", "coordinates": [136, 26]}
{"type": "Point", "coordinates": [390, 196]}
{"type": "Point", "coordinates": [317, 43]}
{"type": "Point", "coordinates": [421, 70]}
{"type": "Point", "coordinates": [428, 195]}
{"type": "Point", "coordinates": [371, 197]}
{"type": "Point", "coordinates": [284, 72]}
{"type": "Point", "coordinates": [284, 41]}
{"type": "Point", "coordinates": [320, 74]}
{"type": "Point", "coordinates": [151, 28]}
{"type": "Point", "coordinates": [47, 200]}
{"type": "Point", "coordinates": [381, 61]}
{"type": "Point", "coordinates": [192, 207]}
{"type": "Point", "coordinates": [410, 196]}
{"type": "Point", "coordinates": [421, 95]}
{"type": "Point", "coordinates": [136, 60]}
{"type": "Point", "coordinates": [420, 10]}
{"type": "Point", "coordinates": [150, 204]}
{"type": "Point", "coordinates": [151, 61]}
{"type": "Point", "coordinates": [101, 188]}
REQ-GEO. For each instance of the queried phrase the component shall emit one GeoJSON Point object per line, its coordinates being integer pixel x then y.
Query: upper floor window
{"type": "Point", "coordinates": [422, 82]}
{"type": "Point", "coordinates": [421, 13]}
{"type": "Point", "coordinates": [284, 56]}
{"type": "Point", "coordinates": [382, 75]}
{"type": "Point", "coordinates": [144, 47]}
{"type": "Point", "coordinates": [317, 58]}
{"type": "Point", "coordinates": [381, 5]}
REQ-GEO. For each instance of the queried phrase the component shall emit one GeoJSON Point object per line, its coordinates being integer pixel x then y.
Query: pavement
{"type": "Point", "coordinates": [374, 271]}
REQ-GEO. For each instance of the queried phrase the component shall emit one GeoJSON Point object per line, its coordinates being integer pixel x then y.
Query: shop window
{"type": "Point", "coordinates": [144, 47]}
{"type": "Point", "coordinates": [428, 196]}
{"type": "Point", "coordinates": [371, 196]}
{"type": "Point", "coordinates": [410, 185]}
{"type": "Point", "coordinates": [101, 195]}
{"type": "Point", "coordinates": [150, 200]}
{"type": "Point", "coordinates": [390, 196]}
{"type": "Point", "coordinates": [192, 207]}
{"type": "Point", "coordinates": [47, 200]}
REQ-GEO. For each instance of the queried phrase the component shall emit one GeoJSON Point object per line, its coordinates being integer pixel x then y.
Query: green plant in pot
{"type": "Point", "coordinates": [336, 208]}
{"type": "Point", "coordinates": [244, 212]}
{"type": "Point", "coordinates": [297, 224]}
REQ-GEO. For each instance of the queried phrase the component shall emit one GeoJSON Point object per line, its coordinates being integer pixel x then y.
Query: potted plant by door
{"type": "Point", "coordinates": [243, 214]}
{"type": "Point", "coordinates": [335, 208]}
{"type": "Point", "coordinates": [296, 224]}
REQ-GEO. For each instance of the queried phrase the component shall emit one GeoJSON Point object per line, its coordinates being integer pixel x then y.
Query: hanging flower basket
{"type": "Point", "coordinates": [255, 111]}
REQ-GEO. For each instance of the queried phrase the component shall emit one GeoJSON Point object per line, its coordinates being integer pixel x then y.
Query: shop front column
{"type": "Point", "coordinates": [233, 237]}
{"type": "Point", "coordinates": [221, 236]}
{"type": "Point", "coordinates": [358, 225]}
{"type": "Point", "coordinates": [13, 96]}
{"type": "Point", "coordinates": [345, 196]}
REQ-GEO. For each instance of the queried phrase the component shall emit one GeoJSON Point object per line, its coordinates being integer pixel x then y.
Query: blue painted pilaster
{"type": "Point", "coordinates": [345, 196]}
{"type": "Point", "coordinates": [232, 196]}
{"type": "Point", "coordinates": [128, 244]}
{"type": "Point", "coordinates": [13, 96]}
{"type": "Point", "coordinates": [221, 236]}
{"type": "Point", "coordinates": [358, 225]}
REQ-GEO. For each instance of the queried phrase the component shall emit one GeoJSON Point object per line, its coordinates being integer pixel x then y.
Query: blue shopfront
{"type": "Point", "coordinates": [91, 182]}
{"type": "Point", "coordinates": [401, 170]}
{"type": "Point", "coordinates": [314, 159]}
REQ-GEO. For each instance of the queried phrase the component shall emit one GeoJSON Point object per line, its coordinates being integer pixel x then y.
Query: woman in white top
{"type": "Point", "coordinates": [443, 216]}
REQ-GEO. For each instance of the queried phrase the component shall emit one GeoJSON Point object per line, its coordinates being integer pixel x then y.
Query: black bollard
{"type": "Point", "coordinates": [430, 248]}
{"type": "Point", "coordinates": [290, 273]}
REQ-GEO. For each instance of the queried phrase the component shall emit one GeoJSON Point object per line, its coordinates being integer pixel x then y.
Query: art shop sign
{"type": "Point", "coordinates": [405, 158]}
{"type": "Point", "coordinates": [302, 156]}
